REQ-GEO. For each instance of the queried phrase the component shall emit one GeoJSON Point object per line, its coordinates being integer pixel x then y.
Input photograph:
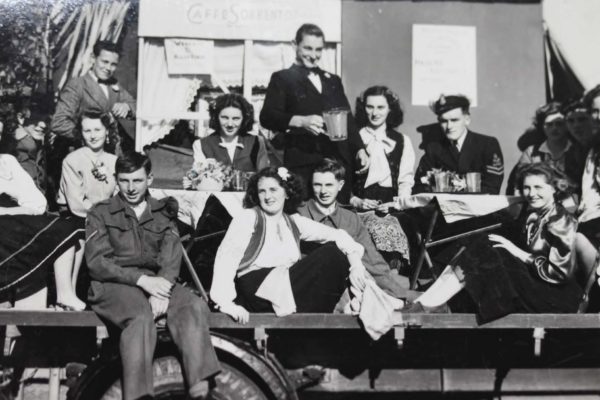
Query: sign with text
{"type": "Point", "coordinates": [189, 56]}
{"type": "Point", "coordinates": [444, 61]}
{"type": "Point", "coordinates": [270, 20]}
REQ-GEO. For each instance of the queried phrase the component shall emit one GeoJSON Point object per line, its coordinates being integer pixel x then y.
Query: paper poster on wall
{"type": "Point", "coordinates": [444, 60]}
{"type": "Point", "coordinates": [189, 56]}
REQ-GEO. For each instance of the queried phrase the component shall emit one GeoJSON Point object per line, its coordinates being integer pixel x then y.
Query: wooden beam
{"type": "Point", "coordinates": [325, 321]}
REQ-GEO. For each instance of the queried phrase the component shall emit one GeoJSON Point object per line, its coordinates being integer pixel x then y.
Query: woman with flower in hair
{"type": "Point", "coordinates": [258, 266]}
{"type": "Point", "coordinates": [527, 269]}
{"type": "Point", "coordinates": [232, 118]}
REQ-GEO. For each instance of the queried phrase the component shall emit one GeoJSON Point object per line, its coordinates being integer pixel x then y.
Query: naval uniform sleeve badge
{"type": "Point", "coordinates": [497, 167]}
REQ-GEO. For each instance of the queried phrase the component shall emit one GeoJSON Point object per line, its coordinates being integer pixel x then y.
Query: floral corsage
{"type": "Point", "coordinates": [99, 171]}
{"type": "Point", "coordinates": [209, 169]}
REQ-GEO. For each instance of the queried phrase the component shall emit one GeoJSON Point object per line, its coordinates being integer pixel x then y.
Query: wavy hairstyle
{"type": "Point", "coordinates": [543, 112]}
{"type": "Point", "coordinates": [236, 101]}
{"type": "Point", "coordinates": [394, 118]}
{"type": "Point", "coordinates": [109, 122]}
{"type": "Point", "coordinates": [292, 184]}
{"type": "Point", "coordinates": [563, 186]}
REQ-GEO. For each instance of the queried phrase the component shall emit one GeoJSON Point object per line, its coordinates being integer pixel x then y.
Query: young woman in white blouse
{"type": "Point", "coordinates": [258, 266]}
{"type": "Point", "coordinates": [378, 114]}
{"type": "Point", "coordinates": [88, 173]}
{"type": "Point", "coordinates": [32, 242]}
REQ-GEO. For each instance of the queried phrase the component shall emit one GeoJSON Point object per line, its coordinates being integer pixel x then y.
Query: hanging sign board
{"type": "Point", "coordinates": [444, 61]}
{"type": "Point", "coordinates": [269, 20]}
{"type": "Point", "coordinates": [189, 56]}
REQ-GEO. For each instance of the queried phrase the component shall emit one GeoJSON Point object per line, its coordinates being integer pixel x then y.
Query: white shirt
{"type": "Point", "coordinates": [589, 207]}
{"type": "Point", "coordinates": [276, 252]}
{"type": "Point", "coordinates": [316, 81]}
{"type": "Point", "coordinates": [461, 140]}
{"type": "Point", "coordinates": [18, 184]}
{"type": "Point", "coordinates": [103, 86]}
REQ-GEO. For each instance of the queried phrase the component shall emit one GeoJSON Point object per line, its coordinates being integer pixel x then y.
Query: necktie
{"type": "Point", "coordinates": [454, 148]}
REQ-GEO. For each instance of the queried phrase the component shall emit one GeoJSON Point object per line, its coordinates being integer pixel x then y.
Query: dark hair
{"type": "Point", "coordinates": [293, 186]}
{"type": "Point", "coordinates": [107, 120]}
{"type": "Point", "coordinates": [394, 118]}
{"type": "Point", "coordinates": [561, 183]}
{"type": "Point", "coordinates": [544, 111]}
{"type": "Point", "coordinates": [575, 105]}
{"type": "Point", "coordinates": [447, 103]}
{"type": "Point", "coordinates": [333, 166]}
{"type": "Point", "coordinates": [232, 100]}
{"type": "Point", "coordinates": [106, 46]}
{"type": "Point", "coordinates": [308, 30]}
{"type": "Point", "coordinates": [131, 162]}
{"type": "Point", "coordinates": [591, 95]}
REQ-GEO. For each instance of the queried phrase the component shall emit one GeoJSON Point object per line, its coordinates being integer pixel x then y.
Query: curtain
{"type": "Point", "coordinates": [160, 94]}
{"type": "Point", "coordinates": [82, 25]}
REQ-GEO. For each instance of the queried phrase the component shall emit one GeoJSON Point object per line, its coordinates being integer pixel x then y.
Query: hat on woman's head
{"type": "Point", "coordinates": [447, 103]}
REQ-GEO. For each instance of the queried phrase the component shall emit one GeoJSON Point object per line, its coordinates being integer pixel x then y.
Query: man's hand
{"type": "Point", "coordinates": [363, 160]}
{"type": "Point", "coordinates": [238, 313]}
{"type": "Point", "coordinates": [312, 123]}
{"type": "Point", "coordinates": [364, 204]}
{"type": "Point", "coordinates": [156, 286]}
{"type": "Point", "coordinates": [120, 110]}
{"type": "Point", "coordinates": [159, 306]}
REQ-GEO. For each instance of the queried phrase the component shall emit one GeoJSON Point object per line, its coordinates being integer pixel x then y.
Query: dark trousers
{"type": "Point", "coordinates": [127, 307]}
{"type": "Point", "coordinates": [318, 281]}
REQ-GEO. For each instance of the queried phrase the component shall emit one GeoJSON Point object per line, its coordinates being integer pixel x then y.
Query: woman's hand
{"type": "Point", "coordinates": [238, 313]}
{"type": "Point", "coordinates": [502, 242]}
{"type": "Point", "coordinates": [385, 207]}
{"type": "Point", "coordinates": [364, 204]}
{"type": "Point", "coordinates": [358, 276]}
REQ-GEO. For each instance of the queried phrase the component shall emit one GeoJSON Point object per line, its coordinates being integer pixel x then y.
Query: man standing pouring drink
{"type": "Point", "coordinates": [294, 104]}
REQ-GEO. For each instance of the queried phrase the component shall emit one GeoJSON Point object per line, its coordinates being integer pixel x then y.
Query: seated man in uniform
{"type": "Point", "coordinates": [327, 182]}
{"type": "Point", "coordinates": [459, 149]}
{"type": "Point", "coordinates": [134, 254]}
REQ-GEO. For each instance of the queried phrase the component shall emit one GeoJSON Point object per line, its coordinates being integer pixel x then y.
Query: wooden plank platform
{"type": "Point", "coordinates": [324, 321]}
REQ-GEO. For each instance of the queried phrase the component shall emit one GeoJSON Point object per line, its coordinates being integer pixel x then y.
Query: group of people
{"type": "Point", "coordinates": [265, 262]}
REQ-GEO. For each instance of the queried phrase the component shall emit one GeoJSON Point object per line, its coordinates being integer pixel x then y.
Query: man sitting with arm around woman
{"type": "Point", "coordinates": [258, 266]}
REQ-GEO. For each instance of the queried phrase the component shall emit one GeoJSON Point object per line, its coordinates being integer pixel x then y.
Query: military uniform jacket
{"type": "Point", "coordinates": [290, 93]}
{"type": "Point", "coordinates": [120, 248]}
{"type": "Point", "coordinates": [479, 153]}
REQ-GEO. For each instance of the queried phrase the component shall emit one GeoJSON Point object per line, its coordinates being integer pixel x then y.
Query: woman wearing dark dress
{"type": "Point", "coordinates": [32, 241]}
{"type": "Point", "coordinates": [232, 117]}
{"type": "Point", "coordinates": [533, 274]}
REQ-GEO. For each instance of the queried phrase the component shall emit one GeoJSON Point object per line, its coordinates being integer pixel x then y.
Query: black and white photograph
{"type": "Point", "coordinates": [299, 199]}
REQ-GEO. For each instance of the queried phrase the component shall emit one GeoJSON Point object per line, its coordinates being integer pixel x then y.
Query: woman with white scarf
{"type": "Point", "coordinates": [390, 174]}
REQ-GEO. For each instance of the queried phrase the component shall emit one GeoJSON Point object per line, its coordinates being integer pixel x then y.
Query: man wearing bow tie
{"type": "Point", "coordinates": [295, 100]}
{"type": "Point", "coordinates": [95, 92]}
{"type": "Point", "coordinates": [460, 150]}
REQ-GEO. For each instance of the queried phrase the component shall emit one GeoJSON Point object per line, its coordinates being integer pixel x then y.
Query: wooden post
{"type": "Point", "coordinates": [54, 384]}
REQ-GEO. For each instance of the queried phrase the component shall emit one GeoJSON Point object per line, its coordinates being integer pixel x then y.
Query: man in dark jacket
{"type": "Point", "coordinates": [460, 150]}
{"type": "Point", "coordinates": [294, 103]}
{"type": "Point", "coordinates": [134, 254]}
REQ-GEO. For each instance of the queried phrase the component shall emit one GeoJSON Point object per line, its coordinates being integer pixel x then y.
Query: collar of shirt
{"type": "Point", "coordinates": [103, 85]}
{"type": "Point", "coordinates": [545, 149]}
{"type": "Point", "coordinates": [461, 140]}
{"type": "Point", "coordinates": [320, 214]}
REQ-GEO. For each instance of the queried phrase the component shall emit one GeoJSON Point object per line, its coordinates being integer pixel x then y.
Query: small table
{"type": "Point", "coordinates": [453, 207]}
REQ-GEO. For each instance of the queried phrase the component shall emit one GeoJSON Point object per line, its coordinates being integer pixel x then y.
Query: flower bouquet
{"type": "Point", "coordinates": [209, 175]}
{"type": "Point", "coordinates": [441, 181]}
